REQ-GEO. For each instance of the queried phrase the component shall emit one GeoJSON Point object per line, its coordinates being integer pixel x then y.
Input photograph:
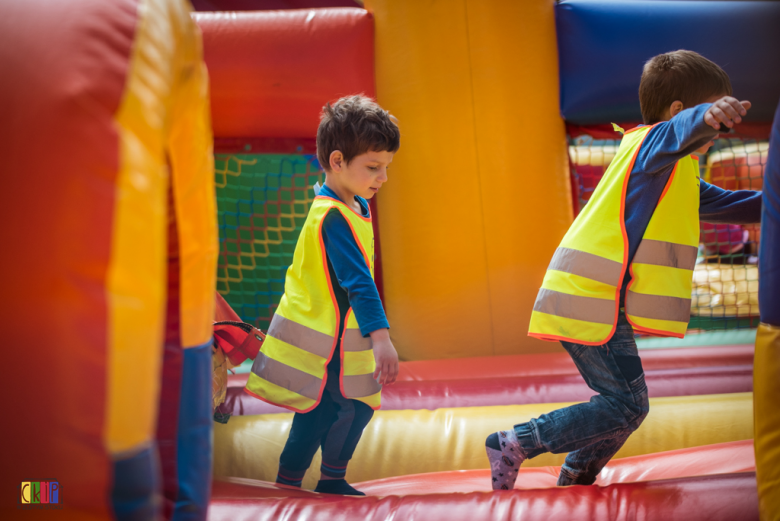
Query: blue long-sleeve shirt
{"type": "Point", "coordinates": [355, 286]}
{"type": "Point", "coordinates": [665, 144]}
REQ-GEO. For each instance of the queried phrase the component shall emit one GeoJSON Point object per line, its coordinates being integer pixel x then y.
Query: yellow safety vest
{"type": "Point", "coordinates": [580, 295]}
{"type": "Point", "coordinates": [291, 369]}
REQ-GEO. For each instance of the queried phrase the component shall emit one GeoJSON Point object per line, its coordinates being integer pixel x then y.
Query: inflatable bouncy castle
{"type": "Point", "coordinates": [173, 154]}
{"type": "Point", "coordinates": [505, 111]}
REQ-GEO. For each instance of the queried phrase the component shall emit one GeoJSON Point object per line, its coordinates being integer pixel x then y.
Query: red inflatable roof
{"type": "Point", "coordinates": [262, 5]}
{"type": "Point", "coordinates": [272, 71]}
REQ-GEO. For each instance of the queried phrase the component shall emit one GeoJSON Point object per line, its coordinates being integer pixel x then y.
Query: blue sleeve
{"type": "Point", "coordinates": [352, 273]}
{"type": "Point", "coordinates": [669, 141]}
{"type": "Point", "coordinates": [719, 206]}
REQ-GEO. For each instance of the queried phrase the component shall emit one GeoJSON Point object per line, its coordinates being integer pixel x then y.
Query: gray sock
{"type": "Point", "coordinates": [505, 457]}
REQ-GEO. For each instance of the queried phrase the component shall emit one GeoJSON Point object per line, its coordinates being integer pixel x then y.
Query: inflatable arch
{"type": "Point", "coordinates": [109, 296]}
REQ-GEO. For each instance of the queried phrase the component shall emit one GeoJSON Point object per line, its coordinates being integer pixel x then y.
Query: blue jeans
{"type": "Point", "coordinates": [594, 431]}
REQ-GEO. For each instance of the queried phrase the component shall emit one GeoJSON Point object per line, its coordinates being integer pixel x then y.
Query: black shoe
{"type": "Point", "coordinates": [337, 486]}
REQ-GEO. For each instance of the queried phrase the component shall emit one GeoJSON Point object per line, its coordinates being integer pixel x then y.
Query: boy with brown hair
{"type": "Point", "coordinates": [626, 266]}
{"type": "Point", "coordinates": [328, 352]}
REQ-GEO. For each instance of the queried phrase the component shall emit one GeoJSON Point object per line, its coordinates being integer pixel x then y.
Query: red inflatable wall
{"type": "Point", "coordinates": [271, 72]}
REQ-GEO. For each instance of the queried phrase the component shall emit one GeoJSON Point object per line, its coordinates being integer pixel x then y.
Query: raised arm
{"type": "Point", "coordinates": [687, 131]}
{"type": "Point", "coordinates": [669, 141]}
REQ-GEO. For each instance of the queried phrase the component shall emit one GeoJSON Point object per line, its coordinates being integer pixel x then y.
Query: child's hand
{"type": "Point", "coordinates": [726, 110]}
{"type": "Point", "coordinates": [385, 356]}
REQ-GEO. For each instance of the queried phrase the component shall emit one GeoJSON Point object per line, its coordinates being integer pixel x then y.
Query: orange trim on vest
{"type": "Point", "coordinates": [341, 373]}
{"type": "Point", "coordinates": [367, 219]}
{"type": "Point", "coordinates": [335, 334]}
{"type": "Point", "coordinates": [341, 370]}
{"type": "Point", "coordinates": [335, 309]}
{"type": "Point", "coordinates": [639, 127]}
{"type": "Point", "coordinates": [631, 270]}
{"type": "Point", "coordinates": [288, 407]}
{"type": "Point", "coordinates": [635, 128]}
{"type": "Point", "coordinates": [335, 303]}
{"type": "Point", "coordinates": [627, 175]}
{"type": "Point", "coordinates": [623, 228]}
{"type": "Point", "coordinates": [355, 236]}
{"type": "Point", "coordinates": [566, 339]}
{"type": "Point", "coordinates": [668, 185]}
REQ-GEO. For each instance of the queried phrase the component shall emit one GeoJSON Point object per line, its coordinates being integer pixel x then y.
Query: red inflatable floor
{"type": "Point", "coordinates": [724, 497]}
{"type": "Point", "coordinates": [520, 380]}
{"type": "Point", "coordinates": [715, 482]}
{"type": "Point", "coordinates": [722, 458]}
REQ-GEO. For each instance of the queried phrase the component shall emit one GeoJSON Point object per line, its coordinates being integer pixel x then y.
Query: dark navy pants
{"type": "Point", "coordinates": [335, 425]}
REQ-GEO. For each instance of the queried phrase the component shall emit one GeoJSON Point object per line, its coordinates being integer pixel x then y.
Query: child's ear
{"type": "Point", "coordinates": [675, 108]}
{"type": "Point", "coordinates": [336, 161]}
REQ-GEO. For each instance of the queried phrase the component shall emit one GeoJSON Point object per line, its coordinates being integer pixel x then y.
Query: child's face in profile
{"type": "Point", "coordinates": [363, 176]}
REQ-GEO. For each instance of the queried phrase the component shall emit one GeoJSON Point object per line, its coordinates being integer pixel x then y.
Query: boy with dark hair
{"type": "Point", "coordinates": [626, 265]}
{"type": "Point", "coordinates": [328, 352]}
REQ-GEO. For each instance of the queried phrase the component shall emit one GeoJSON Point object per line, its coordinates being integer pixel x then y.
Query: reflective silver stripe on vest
{"type": "Point", "coordinates": [564, 305]}
{"type": "Point", "coordinates": [360, 385]}
{"type": "Point", "coordinates": [354, 341]}
{"type": "Point", "coordinates": [587, 265]}
{"type": "Point", "coordinates": [658, 307]}
{"type": "Point", "coordinates": [300, 336]}
{"type": "Point", "coordinates": [287, 377]}
{"type": "Point", "coordinates": [660, 253]}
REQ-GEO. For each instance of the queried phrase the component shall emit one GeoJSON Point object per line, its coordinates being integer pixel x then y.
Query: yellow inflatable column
{"type": "Point", "coordinates": [766, 365]}
{"type": "Point", "coordinates": [478, 196]}
{"type": "Point", "coordinates": [766, 369]}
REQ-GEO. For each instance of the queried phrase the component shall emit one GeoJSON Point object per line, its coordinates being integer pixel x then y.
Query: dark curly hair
{"type": "Point", "coordinates": [355, 125]}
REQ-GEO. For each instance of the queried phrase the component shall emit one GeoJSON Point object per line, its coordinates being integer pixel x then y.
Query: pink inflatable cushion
{"type": "Point", "coordinates": [723, 497]}
{"type": "Point", "coordinates": [561, 363]}
{"type": "Point", "coordinates": [506, 390]}
{"type": "Point", "coordinates": [556, 364]}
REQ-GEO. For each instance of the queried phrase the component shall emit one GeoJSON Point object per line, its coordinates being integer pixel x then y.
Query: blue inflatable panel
{"type": "Point", "coordinates": [769, 257]}
{"type": "Point", "coordinates": [603, 45]}
{"type": "Point", "coordinates": [195, 444]}
{"type": "Point", "coordinates": [135, 495]}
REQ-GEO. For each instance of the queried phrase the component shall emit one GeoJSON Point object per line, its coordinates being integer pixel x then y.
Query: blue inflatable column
{"type": "Point", "coordinates": [195, 439]}
{"type": "Point", "coordinates": [766, 372]}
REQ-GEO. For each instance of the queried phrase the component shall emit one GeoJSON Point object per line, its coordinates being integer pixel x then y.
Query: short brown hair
{"type": "Point", "coordinates": [355, 125]}
{"type": "Point", "coordinates": [681, 75]}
